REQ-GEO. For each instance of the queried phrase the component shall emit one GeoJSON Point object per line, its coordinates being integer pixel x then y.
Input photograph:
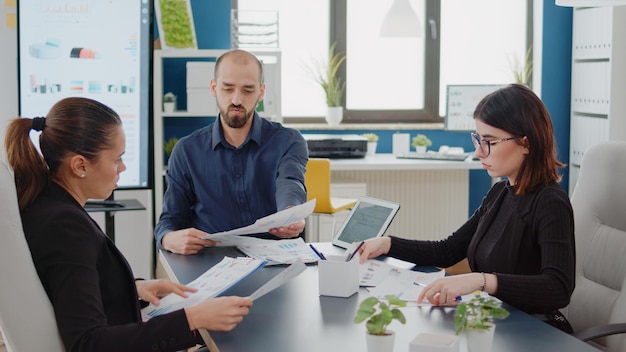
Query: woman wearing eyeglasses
{"type": "Point", "coordinates": [520, 241]}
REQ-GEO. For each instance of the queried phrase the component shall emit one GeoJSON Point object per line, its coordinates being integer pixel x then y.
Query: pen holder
{"type": "Point", "coordinates": [337, 277]}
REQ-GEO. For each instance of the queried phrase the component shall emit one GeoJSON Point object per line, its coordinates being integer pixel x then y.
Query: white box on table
{"type": "Point", "coordinates": [337, 277]}
{"type": "Point", "coordinates": [425, 342]}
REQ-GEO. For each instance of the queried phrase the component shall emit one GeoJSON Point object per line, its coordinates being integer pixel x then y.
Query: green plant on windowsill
{"type": "Point", "coordinates": [380, 313]}
{"type": "Point", "coordinates": [326, 75]}
{"type": "Point", "coordinates": [478, 313]}
{"type": "Point", "coordinates": [523, 74]}
{"type": "Point", "coordinates": [421, 141]}
{"type": "Point", "coordinates": [371, 137]}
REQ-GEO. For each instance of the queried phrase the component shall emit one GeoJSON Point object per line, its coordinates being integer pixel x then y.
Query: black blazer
{"type": "Point", "coordinates": [533, 254]}
{"type": "Point", "coordinates": [90, 284]}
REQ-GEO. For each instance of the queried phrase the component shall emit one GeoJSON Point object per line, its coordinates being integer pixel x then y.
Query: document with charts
{"type": "Point", "coordinates": [212, 283]}
{"type": "Point", "coordinates": [277, 252]}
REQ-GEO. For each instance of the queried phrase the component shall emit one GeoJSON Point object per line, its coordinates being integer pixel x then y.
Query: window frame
{"type": "Point", "coordinates": [430, 113]}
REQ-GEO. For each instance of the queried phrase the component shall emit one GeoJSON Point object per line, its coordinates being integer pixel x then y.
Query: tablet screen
{"type": "Point", "coordinates": [369, 218]}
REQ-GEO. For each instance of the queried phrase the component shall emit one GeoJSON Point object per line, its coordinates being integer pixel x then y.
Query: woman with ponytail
{"type": "Point", "coordinates": [96, 299]}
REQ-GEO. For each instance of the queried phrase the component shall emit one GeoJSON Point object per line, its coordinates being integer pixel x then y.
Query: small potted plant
{"type": "Point", "coordinates": [475, 318]}
{"type": "Point", "coordinates": [169, 102]}
{"type": "Point", "coordinates": [420, 143]}
{"type": "Point", "coordinates": [326, 75]}
{"type": "Point", "coordinates": [372, 142]}
{"type": "Point", "coordinates": [379, 314]}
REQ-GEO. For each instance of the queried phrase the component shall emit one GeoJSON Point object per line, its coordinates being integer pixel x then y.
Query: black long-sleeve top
{"type": "Point", "coordinates": [90, 284]}
{"type": "Point", "coordinates": [527, 241]}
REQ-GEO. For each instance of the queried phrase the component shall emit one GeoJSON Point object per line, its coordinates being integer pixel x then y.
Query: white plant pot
{"type": "Point", "coordinates": [480, 340]}
{"type": "Point", "coordinates": [371, 148]}
{"type": "Point", "coordinates": [169, 107]}
{"type": "Point", "coordinates": [334, 115]}
{"type": "Point", "coordinates": [420, 149]}
{"type": "Point", "coordinates": [380, 343]}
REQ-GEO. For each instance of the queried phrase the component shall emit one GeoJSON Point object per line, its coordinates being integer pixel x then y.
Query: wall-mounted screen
{"type": "Point", "coordinates": [461, 103]}
{"type": "Point", "coordinates": [98, 49]}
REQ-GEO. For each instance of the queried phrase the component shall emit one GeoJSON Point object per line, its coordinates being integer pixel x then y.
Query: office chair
{"type": "Point", "coordinates": [597, 310]}
{"type": "Point", "coordinates": [317, 182]}
{"type": "Point", "coordinates": [26, 315]}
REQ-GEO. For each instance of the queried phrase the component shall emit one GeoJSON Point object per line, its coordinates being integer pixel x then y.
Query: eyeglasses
{"type": "Point", "coordinates": [485, 145]}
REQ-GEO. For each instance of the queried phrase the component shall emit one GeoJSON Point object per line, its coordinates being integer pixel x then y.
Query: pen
{"type": "Point", "coordinates": [356, 250]}
{"type": "Point", "coordinates": [457, 298]}
{"type": "Point", "coordinates": [319, 254]}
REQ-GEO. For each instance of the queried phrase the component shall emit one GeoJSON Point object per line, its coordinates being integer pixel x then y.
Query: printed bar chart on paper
{"type": "Point", "coordinates": [212, 283]}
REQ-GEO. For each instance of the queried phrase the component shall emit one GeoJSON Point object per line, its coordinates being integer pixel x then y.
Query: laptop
{"type": "Point", "coordinates": [369, 218]}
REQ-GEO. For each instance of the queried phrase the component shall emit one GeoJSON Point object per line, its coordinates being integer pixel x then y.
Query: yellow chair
{"type": "Point", "coordinates": [317, 182]}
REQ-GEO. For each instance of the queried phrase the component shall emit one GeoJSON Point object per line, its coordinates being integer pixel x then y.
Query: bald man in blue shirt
{"type": "Point", "coordinates": [230, 173]}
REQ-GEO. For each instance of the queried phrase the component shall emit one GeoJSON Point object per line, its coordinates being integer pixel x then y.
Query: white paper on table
{"type": "Point", "coordinates": [283, 277]}
{"type": "Point", "coordinates": [280, 251]}
{"type": "Point", "coordinates": [211, 283]}
{"type": "Point", "coordinates": [282, 218]}
{"type": "Point", "coordinates": [373, 272]}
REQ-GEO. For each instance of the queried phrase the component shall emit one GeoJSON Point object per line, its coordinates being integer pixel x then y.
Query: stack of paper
{"type": "Point", "coordinates": [212, 283]}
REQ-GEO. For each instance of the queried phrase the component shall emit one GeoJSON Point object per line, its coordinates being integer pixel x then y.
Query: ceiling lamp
{"type": "Point", "coordinates": [401, 21]}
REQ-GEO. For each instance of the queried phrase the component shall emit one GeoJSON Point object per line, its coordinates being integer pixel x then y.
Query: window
{"type": "Point", "coordinates": [396, 79]}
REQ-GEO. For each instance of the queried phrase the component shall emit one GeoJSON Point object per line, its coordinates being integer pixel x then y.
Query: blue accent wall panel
{"type": "Point", "coordinates": [212, 23]}
{"type": "Point", "coordinates": [557, 76]}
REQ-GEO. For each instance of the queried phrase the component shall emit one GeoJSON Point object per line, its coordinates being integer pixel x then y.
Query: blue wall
{"type": "Point", "coordinates": [557, 76]}
{"type": "Point", "coordinates": [212, 23]}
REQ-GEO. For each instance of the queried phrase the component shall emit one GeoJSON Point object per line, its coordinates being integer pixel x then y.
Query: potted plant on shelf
{"type": "Point", "coordinates": [169, 102]}
{"type": "Point", "coordinates": [379, 314]}
{"type": "Point", "coordinates": [475, 318]}
{"type": "Point", "coordinates": [420, 143]}
{"type": "Point", "coordinates": [372, 142]}
{"type": "Point", "coordinates": [326, 75]}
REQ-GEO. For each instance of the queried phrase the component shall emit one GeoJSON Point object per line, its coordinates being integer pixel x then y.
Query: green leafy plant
{"type": "Point", "coordinates": [371, 137]}
{"type": "Point", "coordinates": [380, 313]}
{"type": "Point", "coordinates": [169, 145]}
{"type": "Point", "coordinates": [523, 74]}
{"type": "Point", "coordinates": [169, 97]}
{"type": "Point", "coordinates": [326, 75]}
{"type": "Point", "coordinates": [478, 313]}
{"type": "Point", "coordinates": [421, 141]}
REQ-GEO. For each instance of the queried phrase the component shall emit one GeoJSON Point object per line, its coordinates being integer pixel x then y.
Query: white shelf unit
{"type": "Point", "coordinates": [598, 104]}
{"type": "Point", "coordinates": [271, 65]}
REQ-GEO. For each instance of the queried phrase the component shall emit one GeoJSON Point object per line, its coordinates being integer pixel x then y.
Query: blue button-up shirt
{"type": "Point", "coordinates": [216, 187]}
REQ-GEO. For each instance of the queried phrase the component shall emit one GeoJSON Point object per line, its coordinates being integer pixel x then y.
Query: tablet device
{"type": "Point", "coordinates": [369, 218]}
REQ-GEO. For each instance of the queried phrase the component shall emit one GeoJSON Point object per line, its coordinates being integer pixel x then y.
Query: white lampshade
{"type": "Point", "coordinates": [401, 21]}
{"type": "Point", "coordinates": [592, 3]}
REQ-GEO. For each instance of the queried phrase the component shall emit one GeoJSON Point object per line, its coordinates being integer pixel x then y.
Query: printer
{"type": "Point", "coordinates": [336, 145]}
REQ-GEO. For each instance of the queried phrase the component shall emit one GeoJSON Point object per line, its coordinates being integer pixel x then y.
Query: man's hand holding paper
{"type": "Point", "coordinates": [282, 218]}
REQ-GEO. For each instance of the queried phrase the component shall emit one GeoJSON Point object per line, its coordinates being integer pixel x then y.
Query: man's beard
{"type": "Point", "coordinates": [239, 120]}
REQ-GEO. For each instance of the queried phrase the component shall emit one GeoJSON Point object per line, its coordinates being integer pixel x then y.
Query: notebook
{"type": "Point", "coordinates": [369, 218]}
